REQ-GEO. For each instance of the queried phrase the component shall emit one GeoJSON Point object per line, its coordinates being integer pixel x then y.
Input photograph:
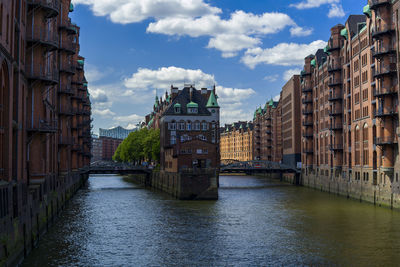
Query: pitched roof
{"type": "Point", "coordinates": [212, 101]}
{"type": "Point", "coordinates": [183, 98]}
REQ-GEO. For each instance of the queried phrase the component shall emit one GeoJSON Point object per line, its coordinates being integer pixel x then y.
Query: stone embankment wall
{"type": "Point", "coordinates": [21, 231]}
{"type": "Point", "coordinates": [381, 194]}
{"type": "Point", "coordinates": [200, 185]}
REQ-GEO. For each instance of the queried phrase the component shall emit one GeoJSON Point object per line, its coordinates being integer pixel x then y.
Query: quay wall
{"type": "Point", "coordinates": [386, 195]}
{"type": "Point", "coordinates": [183, 185]}
{"type": "Point", "coordinates": [38, 209]}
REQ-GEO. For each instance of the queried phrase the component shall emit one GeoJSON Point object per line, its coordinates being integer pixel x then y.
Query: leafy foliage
{"type": "Point", "coordinates": [139, 146]}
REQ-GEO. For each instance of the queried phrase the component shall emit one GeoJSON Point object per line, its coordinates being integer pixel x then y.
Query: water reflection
{"type": "Point", "coordinates": [256, 221]}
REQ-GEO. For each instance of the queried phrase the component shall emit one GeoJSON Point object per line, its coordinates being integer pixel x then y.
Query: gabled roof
{"type": "Point", "coordinates": [353, 22]}
{"type": "Point", "coordinates": [183, 99]}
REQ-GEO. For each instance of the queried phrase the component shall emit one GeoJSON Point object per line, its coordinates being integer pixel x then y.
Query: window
{"type": "Point", "coordinates": [188, 126]}
{"type": "Point", "coordinates": [197, 126]}
{"type": "Point", "coordinates": [177, 109]}
{"type": "Point", "coordinates": [192, 110]}
{"type": "Point", "coordinates": [199, 151]}
{"type": "Point", "coordinates": [171, 126]}
{"type": "Point", "coordinates": [181, 126]}
{"type": "Point", "coordinates": [204, 126]}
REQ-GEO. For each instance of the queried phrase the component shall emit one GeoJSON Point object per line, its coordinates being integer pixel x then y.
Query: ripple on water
{"type": "Point", "coordinates": [256, 221]}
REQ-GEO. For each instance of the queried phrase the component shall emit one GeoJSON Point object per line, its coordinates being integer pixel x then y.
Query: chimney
{"type": "Point", "coordinates": [174, 92]}
{"type": "Point", "coordinates": [203, 91]}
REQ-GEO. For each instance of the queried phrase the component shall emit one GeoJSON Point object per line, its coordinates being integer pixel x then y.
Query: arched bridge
{"type": "Point", "coordinates": [257, 166]}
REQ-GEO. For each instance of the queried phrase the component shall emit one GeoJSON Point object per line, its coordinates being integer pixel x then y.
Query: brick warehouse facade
{"type": "Point", "coordinates": [44, 119]}
{"type": "Point", "coordinates": [237, 141]}
{"type": "Point", "coordinates": [350, 106]}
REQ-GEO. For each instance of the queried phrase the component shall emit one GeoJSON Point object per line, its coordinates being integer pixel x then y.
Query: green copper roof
{"type": "Point", "coordinates": [259, 110]}
{"type": "Point", "coordinates": [241, 126]}
{"type": "Point", "coordinates": [247, 125]}
{"type": "Point", "coordinates": [85, 84]}
{"type": "Point", "coordinates": [192, 105]}
{"type": "Point", "coordinates": [81, 62]}
{"type": "Point", "coordinates": [344, 33]}
{"type": "Point", "coordinates": [326, 50]}
{"type": "Point", "coordinates": [71, 7]}
{"type": "Point", "coordinates": [271, 102]}
{"type": "Point", "coordinates": [227, 129]}
{"type": "Point", "coordinates": [177, 105]}
{"type": "Point", "coordinates": [367, 11]}
{"type": "Point", "coordinates": [313, 63]}
{"type": "Point", "coordinates": [212, 101]}
{"type": "Point", "coordinates": [150, 122]}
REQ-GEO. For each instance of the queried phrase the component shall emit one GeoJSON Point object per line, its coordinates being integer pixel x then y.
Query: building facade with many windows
{"type": "Point", "coordinates": [350, 108]}
{"type": "Point", "coordinates": [237, 141]}
{"type": "Point", "coordinates": [45, 120]}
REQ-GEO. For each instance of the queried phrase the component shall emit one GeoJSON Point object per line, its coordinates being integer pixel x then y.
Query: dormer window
{"type": "Point", "coordinates": [177, 108]}
{"type": "Point", "coordinates": [192, 108]}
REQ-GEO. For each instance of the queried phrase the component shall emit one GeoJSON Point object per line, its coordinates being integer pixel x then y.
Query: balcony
{"type": "Point", "coordinates": [336, 126]}
{"type": "Point", "coordinates": [307, 112]}
{"type": "Point", "coordinates": [383, 50]}
{"type": "Point", "coordinates": [383, 30]}
{"type": "Point", "coordinates": [385, 70]}
{"type": "Point", "coordinates": [65, 111]}
{"type": "Point", "coordinates": [335, 97]}
{"type": "Point", "coordinates": [304, 73]}
{"type": "Point", "coordinates": [308, 151]}
{"type": "Point", "coordinates": [380, 113]}
{"type": "Point", "coordinates": [374, 4]}
{"type": "Point", "coordinates": [334, 67]}
{"type": "Point", "coordinates": [306, 90]}
{"type": "Point", "coordinates": [65, 140]}
{"type": "Point", "coordinates": [38, 72]}
{"type": "Point", "coordinates": [67, 68]}
{"type": "Point", "coordinates": [65, 89]}
{"type": "Point", "coordinates": [307, 123]}
{"type": "Point", "coordinates": [44, 37]}
{"type": "Point", "coordinates": [308, 135]}
{"type": "Point", "coordinates": [335, 112]}
{"type": "Point", "coordinates": [44, 126]}
{"type": "Point", "coordinates": [268, 132]}
{"type": "Point", "coordinates": [386, 140]}
{"type": "Point", "coordinates": [69, 47]}
{"type": "Point", "coordinates": [334, 82]}
{"type": "Point", "coordinates": [332, 46]}
{"type": "Point", "coordinates": [307, 100]}
{"type": "Point", "coordinates": [51, 8]}
{"type": "Point", "coordinates": [336, 147]}
{"type": "Point", "coordinates": [68, 27]}
{"type": "Point", "coordinates": [381, 92]}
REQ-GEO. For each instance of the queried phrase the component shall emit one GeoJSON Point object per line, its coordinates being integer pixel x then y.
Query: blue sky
{"type": "Point", "coordinates": [248, 48]}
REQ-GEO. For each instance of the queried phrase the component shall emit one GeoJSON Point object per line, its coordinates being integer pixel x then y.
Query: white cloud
{"type": "Point", "coordinates": [299, 31]}
{"type": "Point", "coordinates": [289, 73]}
{"type": "Point", "coordinates": [103, 112]}
{"type": "Point", "coordinates": [164, 77]}
{"type": "Point", "coordinates": [313, 3]}
{"type": "Point", "coordinates": [128, 120]}
{"type": "Point", "coordinates": [241, 31]}
{"type": "Point", "coordinates": [276, 98]}
{"type": "Point", "coordinates": [271, 78]}
{"type": "Point", "coordinates": [336, 11]}
{"type": "Point", "coordinates": [283, 54]}
{"type": "Point", "coordinates": [196, 18]}
{"type": "Point", "coordinates": [131, 11]}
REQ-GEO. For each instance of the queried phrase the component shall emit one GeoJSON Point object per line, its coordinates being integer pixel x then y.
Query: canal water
{"type": "Point", "coordinates": [255, 222]}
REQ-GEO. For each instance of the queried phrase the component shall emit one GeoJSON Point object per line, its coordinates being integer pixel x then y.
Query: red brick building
{"type": "Point", "coordinates": [108, 146]}
{"type": "Point", "coordinates": [188, 120]}
{"type": "Point", "coordinates": [44, 118]}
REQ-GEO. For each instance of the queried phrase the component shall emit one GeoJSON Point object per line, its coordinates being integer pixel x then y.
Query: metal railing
{"type": "Point", "coordinates": [40, 72]}
{"type": "Point", "coordinates": [44, 36]}
{"type": "Point", "coordinates": [334, 67]}
{"type": "Point", "coordinates": [386, 140]}
{"type": "Point", "coordinates": [383, 49]}
{"type": "Point", "coordinates": [385, 91]}
{"type": "Point", "coordinates": [50, 5]}
{"type": "Point", "coordinates": [336, 147]}
{"type": "Point", "coordinates": [384, 69]}
{"type": "Point", "coordinates": [383, 29]}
